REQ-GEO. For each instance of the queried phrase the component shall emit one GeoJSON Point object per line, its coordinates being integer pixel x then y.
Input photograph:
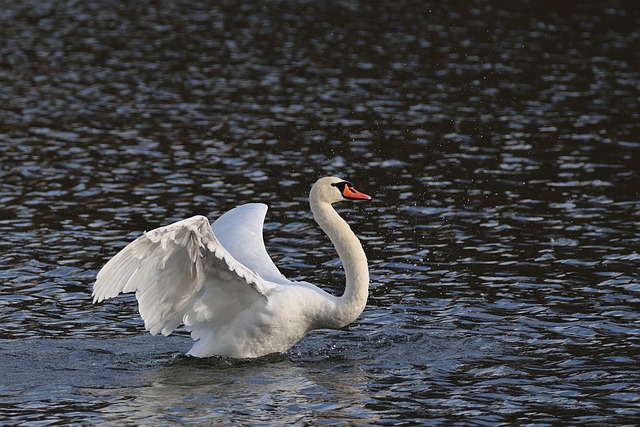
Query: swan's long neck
{"type": "Point", "coordinates": [351, 304]}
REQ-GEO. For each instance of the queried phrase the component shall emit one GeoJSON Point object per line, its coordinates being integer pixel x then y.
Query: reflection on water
{"type": "Point", "coordinates": [277, 392]}
{"type": "Point", "coordinates": [501, 144]}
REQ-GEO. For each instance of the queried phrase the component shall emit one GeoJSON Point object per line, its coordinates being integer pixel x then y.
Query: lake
{"type": "Point", "coordinates": [501, 144]}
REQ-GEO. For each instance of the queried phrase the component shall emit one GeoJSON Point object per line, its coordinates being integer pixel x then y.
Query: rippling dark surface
{"type": "Point", "coordinates": [501, 143]}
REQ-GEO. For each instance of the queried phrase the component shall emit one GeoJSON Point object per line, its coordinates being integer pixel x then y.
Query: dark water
{"type": "Point", "coordinates": [501, 142]}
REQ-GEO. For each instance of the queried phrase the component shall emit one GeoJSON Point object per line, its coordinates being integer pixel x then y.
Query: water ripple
{"type": "Point", "coordinates": [500, 144]}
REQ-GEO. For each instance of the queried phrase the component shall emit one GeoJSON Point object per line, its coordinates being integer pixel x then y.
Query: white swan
{"type": "Point", "coordinates": [219, 281]}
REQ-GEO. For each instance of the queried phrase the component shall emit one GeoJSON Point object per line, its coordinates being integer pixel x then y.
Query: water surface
{"type": "Point", "coordinates": [500, 142]}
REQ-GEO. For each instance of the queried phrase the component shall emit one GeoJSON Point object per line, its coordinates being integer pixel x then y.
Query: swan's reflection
{"type": "Point", "coordinates": [274, 390]}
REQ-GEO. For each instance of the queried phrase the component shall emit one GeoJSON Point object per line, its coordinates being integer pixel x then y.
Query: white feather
{"type": "Point", "coordinates": [168, 268]}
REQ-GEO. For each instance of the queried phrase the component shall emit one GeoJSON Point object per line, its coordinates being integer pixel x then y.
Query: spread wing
{"type": "Point", "coordinates": [182, 273]}
{"type": "Point", "coordinates": [240, 232]}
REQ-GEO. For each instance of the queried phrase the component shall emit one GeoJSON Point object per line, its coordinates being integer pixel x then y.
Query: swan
{"type": "Point", "coordinates": [218, 280]}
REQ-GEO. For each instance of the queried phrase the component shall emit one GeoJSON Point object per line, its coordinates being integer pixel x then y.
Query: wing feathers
{"type": "Point", "coordinates": [181, 274]}
{"type": "Point", "coordinates": [240, 232]}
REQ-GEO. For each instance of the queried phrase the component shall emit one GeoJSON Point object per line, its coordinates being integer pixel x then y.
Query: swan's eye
{"type": "Point", "coordinates": [342, 185]}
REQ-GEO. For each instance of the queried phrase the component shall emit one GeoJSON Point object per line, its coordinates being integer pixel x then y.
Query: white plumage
{"type": "Point", "coordinates": [219, 281]}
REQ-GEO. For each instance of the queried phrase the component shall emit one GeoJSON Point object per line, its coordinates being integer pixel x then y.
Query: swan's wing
{"type": "Point", "coordinates": [181, 273]}
{"type": "Point", "coordinates": [240, 232]}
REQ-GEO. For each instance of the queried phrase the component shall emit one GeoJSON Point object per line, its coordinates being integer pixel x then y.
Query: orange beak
{"type": "Point", "coordinates": [351, 193]}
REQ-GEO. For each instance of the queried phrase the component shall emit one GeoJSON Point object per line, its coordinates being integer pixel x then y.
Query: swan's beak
{"type": "Point", "coordinates": [352, 194]}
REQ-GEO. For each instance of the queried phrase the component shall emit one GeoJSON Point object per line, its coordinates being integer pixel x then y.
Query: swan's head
{"type": "Point", "coordinates": [332, 189]}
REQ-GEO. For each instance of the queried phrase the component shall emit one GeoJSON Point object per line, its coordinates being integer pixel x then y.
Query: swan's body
{"type": "Point", "coordinates": [219, 281]}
